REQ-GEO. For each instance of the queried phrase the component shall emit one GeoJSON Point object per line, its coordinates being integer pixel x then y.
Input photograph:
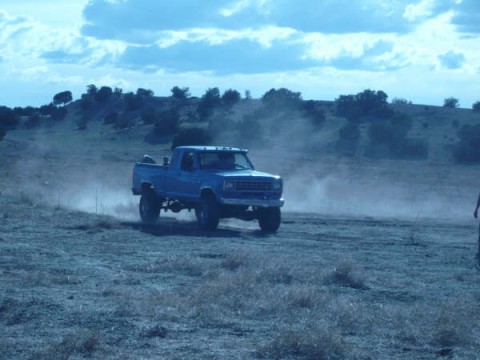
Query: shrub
{"type": "Point", "coordinates": [133, 102]}
{"type": "Point", "coordinates": [400, 101]}
{"type": "Point", "coordinates": [3, 132]}
{"type": "Point", "coordinates": [9, 120]}
{"type": "Point", "coordinates": [191, 136]}
{"type": "Point", "coordinates": [451, 102]}
{"type": "Point", "coordinates": [58, 113]}
{"type": "Point", "coordinates": [310, 340]}
{"type": "Point", "coordinates": [476, 106]}
{"type": "Point", "coordinates": [345, 274]}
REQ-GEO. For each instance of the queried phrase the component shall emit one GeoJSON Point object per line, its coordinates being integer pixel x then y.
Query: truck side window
{"type": "Point", "coordinates": [187, 162]}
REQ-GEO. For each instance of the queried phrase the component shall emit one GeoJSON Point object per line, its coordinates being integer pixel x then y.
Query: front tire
{"type": "Point", "coordinates": [269, 219]}
{"type": "Point", "coordinates": [208, 213]}
{"type": "Point", "coordinates": [149, 207]}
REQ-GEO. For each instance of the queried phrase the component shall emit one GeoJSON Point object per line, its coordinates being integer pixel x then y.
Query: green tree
{"type": "Point", "coordinates": [230, 97]}
{"type": "Point", "coordinates": [366, 103]}
{"type": "Point", "coordinates": [133, 102]}
{"type": "Point", "coordinates": [103, 94]}
{"type": "Point", "coordinates": [146, 93]}
{"type": "Point", "coordinates": [451, 102]}
{"type": "Point", "coordinates": [180, 94]}
{"type": "Point", "coordinates": [91, 90]}
{"type": "Point", "coordinates": [282, 99]}
{"type": "Point", "coordinates": [209, 101]}
{"type": "Point", "coordinates": [117, 92]}
{"type": "Point", "coordinates": [63, 97]}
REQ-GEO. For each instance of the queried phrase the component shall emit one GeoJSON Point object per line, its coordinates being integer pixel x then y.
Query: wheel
{"type": "Point", "coordinates": [149, 207]}
{"type": "Point", "coordinates": [208, 213]}
{"type": "Point", "coordinates": [269, 219]}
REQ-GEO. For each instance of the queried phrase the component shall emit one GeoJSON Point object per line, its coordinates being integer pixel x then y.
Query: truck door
{"type": "Point", "coordinates": [187, 184]}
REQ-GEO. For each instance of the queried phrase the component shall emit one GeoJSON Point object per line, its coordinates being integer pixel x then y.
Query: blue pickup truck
{"type": "Point", "coordinates": [215, 182]}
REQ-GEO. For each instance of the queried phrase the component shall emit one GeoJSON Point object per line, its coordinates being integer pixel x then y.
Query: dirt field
{"type": "Point", "coordinates": [372, 261]}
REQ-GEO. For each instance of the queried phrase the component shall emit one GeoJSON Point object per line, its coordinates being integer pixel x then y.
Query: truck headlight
{"type": "Point", "coordinates": [228, 185]}
{"type": "Point", "coordinates": [277, 185]}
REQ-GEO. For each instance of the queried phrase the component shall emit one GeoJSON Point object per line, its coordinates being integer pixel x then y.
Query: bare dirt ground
{"type": "Point", "coordinates": [385, 274]}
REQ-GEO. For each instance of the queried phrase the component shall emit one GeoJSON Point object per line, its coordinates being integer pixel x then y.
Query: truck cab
{"type": "Point", "coordinates": [216, 182]}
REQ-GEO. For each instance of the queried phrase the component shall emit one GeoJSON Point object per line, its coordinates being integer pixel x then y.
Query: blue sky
{"type": "Point", "coordinates": [420, 50]}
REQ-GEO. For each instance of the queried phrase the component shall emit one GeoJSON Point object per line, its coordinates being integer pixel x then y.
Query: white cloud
{"type": "Point", "coordinates": [422, 9]}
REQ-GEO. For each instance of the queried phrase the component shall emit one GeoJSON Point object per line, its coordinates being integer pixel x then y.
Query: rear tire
{"type": "Point", "coordinates": [149, 207]}
{"type": "Point", "coordinates": [269, 219]}
{"type": "Point", "coordinates": [208, 213]}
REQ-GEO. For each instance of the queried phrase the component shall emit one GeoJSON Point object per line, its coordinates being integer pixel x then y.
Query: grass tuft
{"type": "Point", "coordinates": [345, 274]}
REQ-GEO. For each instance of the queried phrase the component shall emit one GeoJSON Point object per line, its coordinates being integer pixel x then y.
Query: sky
{"type": "Point", "coordinates": [420, 50]}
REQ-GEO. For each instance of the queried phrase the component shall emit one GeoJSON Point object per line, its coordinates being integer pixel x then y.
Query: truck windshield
{"type": "Point", "coordinates": [224, 160]}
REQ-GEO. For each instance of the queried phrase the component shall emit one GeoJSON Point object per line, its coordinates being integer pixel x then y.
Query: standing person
{"type": "Point", "coordinates": [475, 214]}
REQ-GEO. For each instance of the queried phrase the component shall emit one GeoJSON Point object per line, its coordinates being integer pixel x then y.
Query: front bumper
{"type": "Point", "coordinates": [253, 202]}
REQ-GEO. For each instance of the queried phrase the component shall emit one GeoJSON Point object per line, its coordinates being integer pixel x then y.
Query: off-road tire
{"type": "Point", "coordinates": [269, 219]}
{"type": "Point", "coordinates": [149, 207]}
{"type": "Point", "coordinates": [208, 213]}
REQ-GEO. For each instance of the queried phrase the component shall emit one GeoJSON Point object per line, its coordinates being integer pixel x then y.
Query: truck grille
{"type": "Point", "coordinates": [253, 185]}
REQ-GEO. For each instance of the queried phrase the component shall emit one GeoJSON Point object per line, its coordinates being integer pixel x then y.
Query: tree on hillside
{"type": "Point", "coordinates": [133, 102]}
{"type": "Point", "coordinates": [451, 102]}
{"type": "Point", "coordinates": [63, 97]}
{"type": "Point", "coordinates": [146, 93]}
{"type": "Point", "coordinates": [209, 101]}
{"type": "Point", "coordinates": [103, 94]}
{"type": "Point", "coordinates": [476, 106]}
{"type": "Point", "coordinates": [282, 99]}
{"type": "Point", "coordinates": [91, 89]}
{"type": "Point", "coordinates": [117, 92]}
{"type": "Point", "coordinates": [230, 97]}
{"type": "Point", "coordinates": [9, 120]}
{"type": "Point", "coordinates": [367, 103]}
{"type": "Point", "coordinates": [180, 94]}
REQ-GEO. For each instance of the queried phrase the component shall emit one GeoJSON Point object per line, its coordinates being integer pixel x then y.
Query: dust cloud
{"type": "Point", "coordinates": [315, 181]}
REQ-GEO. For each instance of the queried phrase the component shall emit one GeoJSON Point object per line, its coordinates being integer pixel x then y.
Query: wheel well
{"type": "Point", "coordinates": [207, 193]}
{"type": "Point", "coordinates": [146, 187]}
